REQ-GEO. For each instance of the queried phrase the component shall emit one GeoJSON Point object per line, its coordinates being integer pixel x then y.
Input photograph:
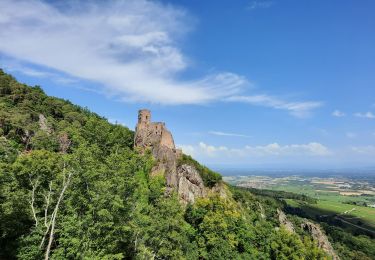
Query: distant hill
{"type": "Point", "coordinates": [72, 186]}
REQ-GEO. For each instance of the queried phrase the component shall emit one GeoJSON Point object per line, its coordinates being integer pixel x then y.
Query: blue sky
{"type": "Point", "coordinates": [248, 83]}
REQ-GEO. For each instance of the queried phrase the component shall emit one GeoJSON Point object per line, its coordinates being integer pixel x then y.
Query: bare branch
{"type": "Point", "coordinates": [34, 186]}
{"type": "Point", "coordinates": [136, 240]}
{"type": "Point", "coordinates": [47, 223]}
{"type": "Point", "coordinates": [54, 214]}
{"type": "Point", "coordinates": [64, 174]}
{"type": "Point", "coordinates": [47, 198]}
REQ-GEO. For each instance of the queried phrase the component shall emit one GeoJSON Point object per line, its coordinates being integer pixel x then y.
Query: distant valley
{"type": "Point", "coordinates": [348, 200]}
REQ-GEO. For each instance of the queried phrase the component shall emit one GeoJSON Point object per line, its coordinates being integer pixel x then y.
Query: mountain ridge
{"type": "Point", "coordinates": [73, 185]}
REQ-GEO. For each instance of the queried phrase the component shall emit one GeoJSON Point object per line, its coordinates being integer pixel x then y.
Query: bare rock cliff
{"type": "Point", "coordinates": [284, 221]}
{"type": "Point", "coordinates": [43, 124]}
{"type": "Point", "coordinates": [320, 237]}
{"type": "Point", "coordinates": [190, 184]}
{"type": "Point", "coordinates": [313, 229]}
{"type": "Point", "coordinates": [183, 179]}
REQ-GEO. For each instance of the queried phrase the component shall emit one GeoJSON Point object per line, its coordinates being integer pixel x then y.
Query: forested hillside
{"type": "Point", "coordinates": [73, 187]}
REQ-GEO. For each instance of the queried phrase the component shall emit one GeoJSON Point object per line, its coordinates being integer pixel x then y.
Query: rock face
{"type": "Point", "coordinates": [314, 230]}
{"type": "Point", "coordinates": [43, 124]}
{"type": "Point", "coordinates": [284, 221]}
{"type": "Point", "coordinates": [320, 237]}
{"type": "Point", "coordinates": [183, 179]}
{"type": "Point", "coordinates": [190, 184]}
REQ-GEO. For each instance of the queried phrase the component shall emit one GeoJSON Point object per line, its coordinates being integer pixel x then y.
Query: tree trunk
{"type": "Point", "coordinates": [54, 215]}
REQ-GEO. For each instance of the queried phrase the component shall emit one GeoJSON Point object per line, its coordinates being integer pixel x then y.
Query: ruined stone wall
{"type": "Point", "coordinates": [151, 134]}
{"type": "Point", "coordinates": [144, 119]}
{"type": "Point", "coordinates": [167, 139]}
{"type": "Point", "coordinates": [182, 179]}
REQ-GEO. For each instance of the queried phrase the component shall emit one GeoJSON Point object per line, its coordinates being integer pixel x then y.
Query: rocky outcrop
{"type": "Point", "coordinates": [262, 212]}
{"type": "Point", "coordinates": [321, 238]}
{"type": "Point", "coordinates": [190, 184]}
{"type": "Point", "coordinates": [182, 179]}
{"type": "Point", "coordinates": [43, 124]}
{"type": "Point", "coordinates": [284, 221]}
{"type": "Point", "coordinates": [313, 229]}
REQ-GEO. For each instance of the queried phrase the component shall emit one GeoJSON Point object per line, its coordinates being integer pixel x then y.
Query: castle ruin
{"type": "Point", "coordinates": [153, 135]}
{"type": "Point", "coordinates": [183, 179]}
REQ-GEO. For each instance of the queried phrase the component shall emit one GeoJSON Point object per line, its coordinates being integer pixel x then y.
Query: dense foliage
{"type": "Point", "coordinates": [72, 187]}
{"type": "Point", "coordinates": [283, 195]}
{"type": "Point", "coordinates": [349, 246]}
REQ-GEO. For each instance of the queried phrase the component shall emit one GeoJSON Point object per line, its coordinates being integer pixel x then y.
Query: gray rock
{"type": "Point", "coordinates": [317, 233]}
{"type": "Point", "coordinates": [284, 221]}
{"type": "Point", "coordinates": [43, 124]}
{"type": "Point", "coordinates": [182, 179]}
{"type": "Point", "coordinates": [190, 184]}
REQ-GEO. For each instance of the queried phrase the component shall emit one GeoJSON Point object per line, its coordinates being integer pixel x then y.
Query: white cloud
{"type": "Point", "coordinates": [368, 115]}
{"type": "Point", "coordinates": [351, 135]}
{"type": "Point", "coordinates": [187, 149]}
{"type": "Point", "coordinates": [298, 109]}
{"type": "Point", "coordinates": [130, 47]}
{"type": "Point", "coordinates": [365, 150]}
{"type": "Point", "coordinates": [338, 113]}
{"type": "Point", "coordinates": [14, 66]}
{"type": "Point", "coordinates": [211, 150]}
{"type": "Point", "coordinates": [227, 134]}
{"type": "Point", "coordinates": [30, 72]}
{"type": "Point", "coordinates": [273, 150]}
{"type": "Point", "coordinates": [259, 4]}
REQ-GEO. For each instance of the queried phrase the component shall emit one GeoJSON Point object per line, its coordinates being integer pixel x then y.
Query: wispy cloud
{"type": "Point", "coordinates": [351, 135]}
{"type": "Point", "coordinates": [14, 66]}
{"type": "Point", "coordinates": [114, 43]}
{"type": "Point", "coordinates": [365, 150]}
{"type": "Point", "coordinates": [30, 72]}
{"type": "Point", "coordinates": [322, 131]}
{"type": "Point", "coordinates": [228, 134]}
{"type": "Point", "coordinates": [117, 45]}
{"type": "Point", "coordinates": [338, 113]}
{"type": "Point", "coordinates": [273, 149]}
{"type": "Point", "coordinates": [298, 109]}
{"type": "Point", "coordinates": [368, 115]}
{"type": "Point", "coordinates": [259, 4]}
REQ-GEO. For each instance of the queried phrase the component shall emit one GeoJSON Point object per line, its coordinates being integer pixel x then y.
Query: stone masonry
{"type": "Point", "coordinates": [184, 179]}
{"type": "Point", "coordinates": [152, 134]}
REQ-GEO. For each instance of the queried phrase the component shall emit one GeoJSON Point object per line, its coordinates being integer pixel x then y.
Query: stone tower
{"type": "Point", "coordinates": [144, 119]}
{"type": "Point", "coordinates": [152, 135]}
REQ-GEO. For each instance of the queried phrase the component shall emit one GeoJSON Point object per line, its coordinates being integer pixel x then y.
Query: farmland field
{"type": "Point", "coordinates": [350, 200]}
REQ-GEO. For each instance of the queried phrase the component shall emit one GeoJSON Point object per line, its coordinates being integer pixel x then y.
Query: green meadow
{"type": "Point", "coordinates": [332, 203]}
